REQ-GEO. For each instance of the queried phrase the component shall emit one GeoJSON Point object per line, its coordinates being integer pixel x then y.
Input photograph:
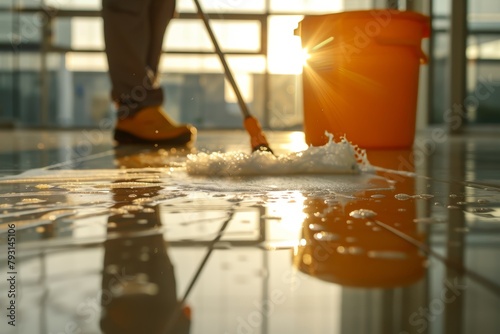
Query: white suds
{"type": "Point", "coordinates": [333, 158]}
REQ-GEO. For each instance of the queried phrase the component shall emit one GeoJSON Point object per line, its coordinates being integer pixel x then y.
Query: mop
{"type": "Point", "coordinates": [257, 138]}
{"type": "Point", "coordinates": [333, 158]}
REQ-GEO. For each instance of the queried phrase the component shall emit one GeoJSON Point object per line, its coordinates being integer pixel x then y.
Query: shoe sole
{"type": "Point", "coordinates": [125, 138]}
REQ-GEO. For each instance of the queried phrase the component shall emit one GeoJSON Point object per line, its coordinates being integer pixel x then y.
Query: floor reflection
{"type": "Point", "coordinates": [410, 248]}
{"type": "Point", "coordinates": [138, 285]}
{"type": "Point", "coordinates": [355, 251]}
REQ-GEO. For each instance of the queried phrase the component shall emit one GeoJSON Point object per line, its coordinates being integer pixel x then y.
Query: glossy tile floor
{"type": "Point", "coordinates": [126, 242]}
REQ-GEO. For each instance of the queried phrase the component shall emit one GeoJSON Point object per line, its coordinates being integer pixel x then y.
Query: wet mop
{"type": "Point", "coordinates": [334, 157]}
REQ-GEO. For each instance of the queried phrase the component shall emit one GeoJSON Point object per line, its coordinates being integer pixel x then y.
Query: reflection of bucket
{"type": "Point", "coordinates": [352, 253]}
{"type": "Point", "coordinates": [340, 248]}
{"type": "Point", "coordinates": [361, 77]}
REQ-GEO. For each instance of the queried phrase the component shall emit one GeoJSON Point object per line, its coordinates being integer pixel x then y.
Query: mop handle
{"type": "Point", "coordinates": [229, 75]}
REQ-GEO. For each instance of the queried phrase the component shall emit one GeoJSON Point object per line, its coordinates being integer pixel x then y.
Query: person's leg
{"type": "Point", "coordinates": [133, 32]}
{"type": "Point", "coordinates": [160, 13]}
{"type": "Point", "coordinates": [127, 38]}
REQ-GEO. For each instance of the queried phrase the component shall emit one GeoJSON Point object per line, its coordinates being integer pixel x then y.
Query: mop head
{"type": "Point", "coordinates": [333, 158]}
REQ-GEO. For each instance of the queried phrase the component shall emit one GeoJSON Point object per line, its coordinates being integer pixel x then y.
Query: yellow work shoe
{"type": "Point", "coordinates": [152, 125]}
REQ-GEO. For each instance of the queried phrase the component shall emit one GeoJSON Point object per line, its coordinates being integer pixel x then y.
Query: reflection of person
{"type": "Point", "coordinates": [138, 282]}
{"type": "Point", "coordinates": [133, 33]}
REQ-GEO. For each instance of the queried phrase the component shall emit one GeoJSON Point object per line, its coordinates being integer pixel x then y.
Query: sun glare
{"type": "Point", "coordinates": [289, 207]}
{"type": "Point", "coordinates": [305, 56]}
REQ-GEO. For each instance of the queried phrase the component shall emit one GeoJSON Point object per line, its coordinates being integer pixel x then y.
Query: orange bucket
{"type": "Point", "coordinates": [361, 76]}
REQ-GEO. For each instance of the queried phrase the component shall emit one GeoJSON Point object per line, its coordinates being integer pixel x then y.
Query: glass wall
{"type": "Point", "coordinates": [61, 80]}
{"type": "Point", "coordinates": [482, 104]}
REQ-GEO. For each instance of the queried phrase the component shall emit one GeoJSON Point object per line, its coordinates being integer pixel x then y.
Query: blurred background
{"type": "Point", "coordinates": [53, 68]}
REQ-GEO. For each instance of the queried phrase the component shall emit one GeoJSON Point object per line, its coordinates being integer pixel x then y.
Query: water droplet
{"type": "Point", "coordinates": [316, 227]}
{"type": "Point", "coordinates": [131, 208]}
{"type": "Point", "coordinates": [402, 197]}
{"type": "Point", "coordinates": [118, 211]}
{"type": "Point", "coordinates": [481, 210]}
{"type": "Point", "coordinates": [139, 201]}
{"type": "Point", "coordinates": [326, 236]}
{"type": "Point", "coordinates": [377, 196]}
{"type": "Point", "coordinates": [362, 213]}
{"type": "Point", "coordinates": [32, 201]}
{"type": "Point", "coordinates": [424, 196]}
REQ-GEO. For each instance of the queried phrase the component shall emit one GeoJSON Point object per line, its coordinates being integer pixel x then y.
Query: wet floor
{"type": "Point", "coordinates": [125, 241]}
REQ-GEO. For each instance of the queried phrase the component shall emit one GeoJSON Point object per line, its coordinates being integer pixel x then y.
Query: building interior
{"type": "Point", "coordinates": [104, 238]}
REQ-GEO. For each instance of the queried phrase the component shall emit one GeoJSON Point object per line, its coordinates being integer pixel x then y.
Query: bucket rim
{"type": "Point", "coordinates": [368, 13]}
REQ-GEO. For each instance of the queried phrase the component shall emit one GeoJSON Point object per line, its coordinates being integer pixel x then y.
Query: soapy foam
{"type": "Point", "coordinates": [333, 158]}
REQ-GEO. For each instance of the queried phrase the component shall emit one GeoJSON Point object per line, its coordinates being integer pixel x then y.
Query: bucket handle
{"type": "Point", "coordinates": [424, 59]}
